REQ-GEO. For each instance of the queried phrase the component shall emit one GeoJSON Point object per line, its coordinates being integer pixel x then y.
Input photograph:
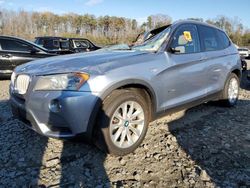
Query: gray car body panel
{"type": "Point", "coordinates": [171, 79]}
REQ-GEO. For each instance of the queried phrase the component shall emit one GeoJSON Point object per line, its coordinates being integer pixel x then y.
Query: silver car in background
{"type": "Point", "coordinates": [110, 96]}
{"type": "Point", "coordinates": [244, 52]}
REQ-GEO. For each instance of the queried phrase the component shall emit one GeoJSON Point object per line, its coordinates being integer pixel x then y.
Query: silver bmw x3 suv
{"type": "Point", "coordinates": [110, 96]}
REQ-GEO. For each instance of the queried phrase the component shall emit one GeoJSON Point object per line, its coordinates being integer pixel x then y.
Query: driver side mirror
{"type": "Point", "coordinates": [173, 50]}
{"type": "Point", "coordinates": [177, 50]}
{"type": "Point", "coordinates": [34, 51]}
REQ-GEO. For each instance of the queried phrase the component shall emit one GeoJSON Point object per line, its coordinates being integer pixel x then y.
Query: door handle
{"type": "Point", "coordinates": [202, 59]}
{"type": "Point", "coordinates": [7, 55]}
{"type": "Point", "coordinates": [217, 70]}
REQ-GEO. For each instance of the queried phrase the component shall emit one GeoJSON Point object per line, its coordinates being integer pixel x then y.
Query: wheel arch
{"type": "Point", "coordinates": [237, 72]}
{"type": "Point", "coordinates": [234, 70]}
{"type": "Point", "coordinates": [139, 85]}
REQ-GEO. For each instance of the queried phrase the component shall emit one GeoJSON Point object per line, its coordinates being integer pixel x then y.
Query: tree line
{"type": "Point", "coordinates": [101, 30]}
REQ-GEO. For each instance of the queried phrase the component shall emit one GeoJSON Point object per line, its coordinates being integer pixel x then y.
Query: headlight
{"type": "Point", "coordinates": [70, 81]}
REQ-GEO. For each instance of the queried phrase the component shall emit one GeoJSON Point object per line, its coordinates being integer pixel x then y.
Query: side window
{"type": "Point", "coordinates": [223, 39]}
{"type": "Point", "coordinates": [186, 40]}
{"type": "Point", "coordinates": [64, 44]}
{"type": "Point", "coordinates": [81, 44]}
{"type": "Point", "coordinates": [49, 44]}
{"type": "Point", "coordinates": [209, 39]}
{"type": "Point", "coordinates": [13, 45]}
{"type": "Point", "coordinates": [56, 43]}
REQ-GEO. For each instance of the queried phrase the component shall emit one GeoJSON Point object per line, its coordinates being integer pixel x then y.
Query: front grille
{"type": "Point", "coordinates": [22, 84]}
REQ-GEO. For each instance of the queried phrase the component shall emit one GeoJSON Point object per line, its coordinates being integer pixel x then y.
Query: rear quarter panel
{"type": "Point", "coordinates": [220, 64]}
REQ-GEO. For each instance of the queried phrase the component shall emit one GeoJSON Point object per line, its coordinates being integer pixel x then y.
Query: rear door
{"type": "Point", "coordinates": [5, 61]}
{"type": "Point", "coordinates": [215, 45]}
{"type": "Point", "coordinates": [185, 80]}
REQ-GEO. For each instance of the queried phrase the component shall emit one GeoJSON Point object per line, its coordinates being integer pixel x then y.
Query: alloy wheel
{"type": "Point", "coordinates": [127, 124]}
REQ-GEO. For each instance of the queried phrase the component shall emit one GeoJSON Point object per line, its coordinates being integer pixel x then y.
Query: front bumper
{"type": "Point", "coordinates": [244, 55]}
{"type": "Point", "coordinates": [6, 71]}
{"type": "Point", "coordinates": [57, 114]}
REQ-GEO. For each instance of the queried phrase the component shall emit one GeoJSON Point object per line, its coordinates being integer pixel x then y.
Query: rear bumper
{"type": "Point", "coordinates": [57, 114]}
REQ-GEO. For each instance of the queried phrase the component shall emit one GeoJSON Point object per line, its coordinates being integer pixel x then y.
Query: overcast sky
{"type": "Point", "coordinates": [139, 9]}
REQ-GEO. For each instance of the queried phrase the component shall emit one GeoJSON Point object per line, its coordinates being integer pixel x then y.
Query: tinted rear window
{"type": "Point", "coordinates": [13, 45]}
{"type": "Point", "coordinates": [49, 44]}
{"type": "Point", "coordinates": [64, 44]}
{"type": "Point", "coordinates": [209, 39]}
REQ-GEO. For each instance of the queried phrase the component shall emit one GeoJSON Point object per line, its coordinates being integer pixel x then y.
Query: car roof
{"type": "Point", "coordinates": [51, 37]}
{"type": "Point", "coordinates": [180, 22]}
{"type": "Point", "coordinates": [64, 38]}
{"type": "Point", "coordinates": [78, 38]}
{"type": "Point", "coordinates": [12, 37]}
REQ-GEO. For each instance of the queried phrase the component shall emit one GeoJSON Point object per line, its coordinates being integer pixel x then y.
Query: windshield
{"type": "Point", "coordinates": [37, 46]}
{"type": "Point", "coordinates": [154, 43]}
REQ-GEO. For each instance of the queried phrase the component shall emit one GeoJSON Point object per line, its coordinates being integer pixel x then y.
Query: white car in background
{"type": "Point", "coordinates": [244, 52]}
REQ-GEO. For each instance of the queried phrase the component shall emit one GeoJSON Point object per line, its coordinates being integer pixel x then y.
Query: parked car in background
{"type": "Point", "coordinates": [83, 45]}
{"type": "Point", "coordinates": [244, 52]}
{"type": "Point", "coordinates": [243, 63]}
{"type": "Point", "coordinates": [16, 51]}
{"type": "Point", "coordinates": [109, 97]}
{"type": "Point", "coordinates": [54, 43]}
{"type": "Point", "coordinates": [66, 45]}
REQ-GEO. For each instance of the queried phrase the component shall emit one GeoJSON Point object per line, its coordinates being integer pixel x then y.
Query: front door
{"type": "Point", "coordinates": [5, 62]}
{"type": "Point", "coordinates": [185, 79]}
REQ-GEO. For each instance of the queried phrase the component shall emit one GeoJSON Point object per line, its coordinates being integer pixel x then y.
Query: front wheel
{"type": "Point", "coordinates": [122, 122]}
{"type": "Point", "coordinates": [231, 91]}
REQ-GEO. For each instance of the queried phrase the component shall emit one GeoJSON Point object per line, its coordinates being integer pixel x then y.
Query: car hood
{"type": "Point", "coordinates": [96, 62]}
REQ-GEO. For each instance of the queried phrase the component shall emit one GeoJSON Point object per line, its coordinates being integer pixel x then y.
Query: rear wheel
{"type": "Point", "coordinates": [122, 122]}
{"type": "Point", "coordinates": [231, 91]}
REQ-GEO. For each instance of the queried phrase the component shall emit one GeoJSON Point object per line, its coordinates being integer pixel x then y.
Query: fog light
{"type": "Point", "coordinates": [55, 106]}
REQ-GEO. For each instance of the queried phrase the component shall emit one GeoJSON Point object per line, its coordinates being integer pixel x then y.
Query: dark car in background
{"type": "Point", "coordinates": [66, 45]}
{"type": "Point", "coordinates": [15, 51]}
{"type": "Point", "coordinates": [54, 43]}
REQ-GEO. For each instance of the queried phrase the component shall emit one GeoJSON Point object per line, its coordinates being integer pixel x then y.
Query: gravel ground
{"type": "Point", "coordinates": [206, 146]}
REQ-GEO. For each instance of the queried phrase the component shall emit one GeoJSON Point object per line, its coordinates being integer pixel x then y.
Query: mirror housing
{"type": "Point", "coordinates": [173, 50]}
{"type": "Point", "coordinates": [34, 50]}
